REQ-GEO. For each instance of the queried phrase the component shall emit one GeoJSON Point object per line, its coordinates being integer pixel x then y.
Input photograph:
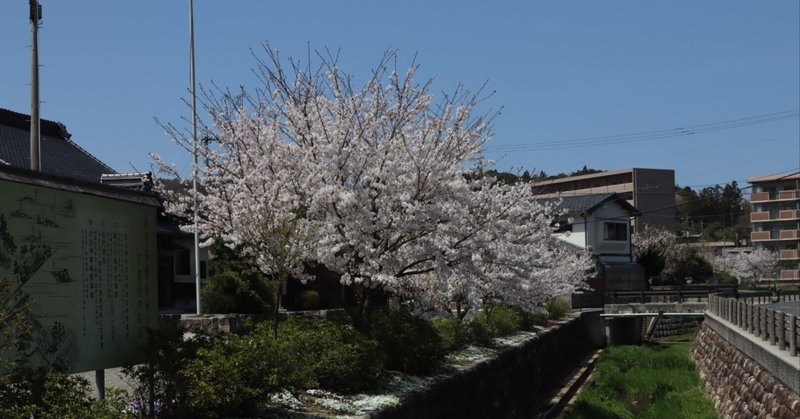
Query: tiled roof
{"type": "Point", "coordinates": [577, 204]}
{"type": "Point", "coordinates": [59, 154]}
{"type": "Point", "coordinates": [140, 181]}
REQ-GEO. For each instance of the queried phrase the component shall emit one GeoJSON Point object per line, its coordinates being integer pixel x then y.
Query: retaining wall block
{"type": "Point", "coordinates": [737, 384]}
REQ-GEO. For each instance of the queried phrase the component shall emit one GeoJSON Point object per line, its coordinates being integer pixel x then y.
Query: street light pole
{"type": "Point", "coordinates": [35, 17]}
{"type": "Point", "coordinates": [194, 156]}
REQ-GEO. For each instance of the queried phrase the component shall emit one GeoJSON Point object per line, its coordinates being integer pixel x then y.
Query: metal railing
{"type": "Point", "coordinates": [748, 314]}
{"type": "Point", "coordinates": [678, 295]}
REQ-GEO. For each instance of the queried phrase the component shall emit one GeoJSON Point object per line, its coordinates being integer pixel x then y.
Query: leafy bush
{"type": "Point", "coordinates": [232, 376]}
{"type": "Point", "coordinates": [231, 292]}
{"type": "Point", "coordinates": [235, 285]}
{"type": "Point", "coordinates": [453, 332]}
{"type": "Point", "coordinates": [557, 308]}
{"type": "Point", "coordinates": [538, 319]}
{"type": "Point", "coordinates": [201, 377]}
{"type": "Point", "coordinates": [499, 321]}
{"type": "Point", "coordinates": [479, 331]}
{"type": "Point", "coordinates": [335, 357]}
{"type": "Point", "coordinates": [410, 344]}
{"type": "Point", "coordinates": [160, 386]}
{"type": "Point", "coordinates": [691, 264]}
{"type": "Point", "coordinates": [27, 392]}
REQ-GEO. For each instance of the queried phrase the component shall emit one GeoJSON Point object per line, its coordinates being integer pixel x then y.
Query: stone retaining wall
{"type": "Point", "coordinates": [672, 326]}
{"type": "Point", "coordinates": [513, 385]}
{"type": "Point", "coordinates": [213, 324]}
{"type": "Point", "coordinates": [739, 386]}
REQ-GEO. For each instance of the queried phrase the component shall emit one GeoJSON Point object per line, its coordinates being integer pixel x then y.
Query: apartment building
{"type": "Point", "coordinates": [650, 191]}
{"type": "Point", "coordinates": [776, 219]}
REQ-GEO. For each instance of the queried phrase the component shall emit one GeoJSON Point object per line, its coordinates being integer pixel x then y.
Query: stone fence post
{"type": "Point", "coordinates": [782, 330]}
{"type": "Point", "coordinates": [793, 335]}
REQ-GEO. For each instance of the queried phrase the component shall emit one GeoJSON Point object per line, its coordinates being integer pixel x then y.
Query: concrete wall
{"type": "Point", "coordinates": [655, 197]}
{"type": "Point", "coordinates": [512, 385]}
{"type": "Point", "coordinates": [743, 377]}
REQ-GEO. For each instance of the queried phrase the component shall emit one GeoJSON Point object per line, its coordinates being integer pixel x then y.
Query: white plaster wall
{"type": "Point", "coordinates": [578, 235]}
{"type": "Point", "coordinates": [620, 249]}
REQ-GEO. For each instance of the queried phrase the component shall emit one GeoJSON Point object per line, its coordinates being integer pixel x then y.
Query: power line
{"type": "Point", "coordinates": [647, 135]}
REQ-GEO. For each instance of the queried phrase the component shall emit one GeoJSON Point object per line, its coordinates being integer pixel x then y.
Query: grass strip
{"type": "Point", "coordinates": [644, 382]}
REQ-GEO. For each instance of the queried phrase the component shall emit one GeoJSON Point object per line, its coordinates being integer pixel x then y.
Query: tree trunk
{"type": "Point", "coordinates": [277, 307]}
{"type": "Point", "coordinates": [360, 313]}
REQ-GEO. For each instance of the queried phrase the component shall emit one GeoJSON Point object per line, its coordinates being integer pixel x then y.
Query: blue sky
{"type": "Point", "coordinates": [562, 71]}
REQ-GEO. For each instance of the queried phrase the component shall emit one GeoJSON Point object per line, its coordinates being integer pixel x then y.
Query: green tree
{"type": "Point", "coordinates": [236, 285]}
{"type": "Point", "coordinates": [690, 263]}
{"type": "Point", "coordinates": [717, 212]}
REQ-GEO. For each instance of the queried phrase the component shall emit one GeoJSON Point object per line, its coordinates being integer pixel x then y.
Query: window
{"type": "Point", "coordinates": [615, 231]}
{"type": "Point", "coordinates": [183, 262]}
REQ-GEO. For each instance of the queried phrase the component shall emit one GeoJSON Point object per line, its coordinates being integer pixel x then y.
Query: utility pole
{"type": "Point", "coordinates": [35, 17]}
{"type": "Point", "coordinates": [194, 156]}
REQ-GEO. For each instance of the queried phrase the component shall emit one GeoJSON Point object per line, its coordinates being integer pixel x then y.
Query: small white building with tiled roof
{"type": "Point", "coordinates": [601, 224]}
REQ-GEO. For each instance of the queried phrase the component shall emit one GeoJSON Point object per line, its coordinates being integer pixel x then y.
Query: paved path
{"type": "Point", "coordinates": [788, 307]}
{"type": "Point", "coordinates": [114, 378]}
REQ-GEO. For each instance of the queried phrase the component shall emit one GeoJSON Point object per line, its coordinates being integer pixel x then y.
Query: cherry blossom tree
{"type": "Point", "coordinates": [371, 182]}
{"type": "Point", "coordinates": [753, 267]}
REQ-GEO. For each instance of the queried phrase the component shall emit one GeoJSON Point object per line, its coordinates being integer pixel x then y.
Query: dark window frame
{"type": "Point", "coordinates": [183, 261]}
{"type": "Point", "coordinates": [617, 232]}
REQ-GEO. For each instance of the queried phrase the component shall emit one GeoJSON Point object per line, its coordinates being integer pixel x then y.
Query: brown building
{"type": "Point", "coordinates": [776, 219]}
{"type": "Point", "coordinates": [651, 191]}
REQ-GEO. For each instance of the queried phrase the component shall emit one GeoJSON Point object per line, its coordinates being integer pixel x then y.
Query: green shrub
{"type": "Point", "coordinates": [505, 320]}
{"type": "Point", "coordinates": [410, 344]}
{"type": "Point", "coordinates": [27, 392]}
{"type": "Point", "coordinates": [232, 376]}
{"type": "Point", "coordinates": [453, 332]}
{"type": "Point", "coordinates": [558, 308]}
{"type": "Point", "coordinates": [479, 331]}
{"type": "Point", "coordinates": [231, 292]}
{"type": "Point", "coordinates": [159, 384]}
{"type": "Point", "coordinates": [498, 321]}
{"type": "Point", "coordinates": [538, 319]}
{"type": "Point", "coordinates": [336, 357]}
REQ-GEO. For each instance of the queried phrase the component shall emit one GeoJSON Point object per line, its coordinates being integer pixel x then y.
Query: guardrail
{"type": "Point", "coordinates": [748, 313]}
{"type": "Point", "coordinates": [667, 296]}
